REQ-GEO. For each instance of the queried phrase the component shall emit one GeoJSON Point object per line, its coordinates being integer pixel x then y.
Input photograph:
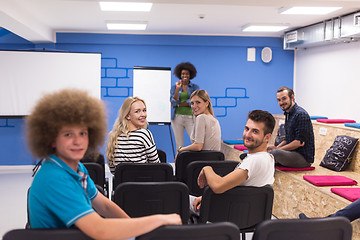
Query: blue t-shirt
{"type": "Point", "coordinates": [57, 198]}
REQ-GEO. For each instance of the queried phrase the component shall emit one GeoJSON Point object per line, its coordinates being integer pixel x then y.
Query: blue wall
{"type": "Point", "coordinates": [235, 85]}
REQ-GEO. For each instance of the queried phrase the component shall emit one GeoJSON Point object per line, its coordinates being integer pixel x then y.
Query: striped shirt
{"type": "Point", "coordinates": [139, 147]}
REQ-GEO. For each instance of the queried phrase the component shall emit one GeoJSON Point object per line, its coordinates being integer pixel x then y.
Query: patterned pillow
{"type": "Point", "coordinates": [340, 154]}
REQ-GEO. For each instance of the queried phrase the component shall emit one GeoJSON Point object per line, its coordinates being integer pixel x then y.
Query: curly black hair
{"type": "Point", "coordinates": [187, 66]}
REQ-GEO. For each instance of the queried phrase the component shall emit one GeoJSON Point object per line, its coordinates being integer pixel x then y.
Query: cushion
{"type": "Point", "coordinates": [351, 194]}
{"type": "Point", "coordinates": [336, 120]}
{"type": "Point", "coordinates": [294, 169]}
{"type": "Point", "coordinates": [354, 125]}
{"type": "Point", "coordinates": [317, 117]}
{"type": "Point", "coordinates": [240, 147]}
{"type": "Point", "coordinates": [340, 154]}
{"type": "Point", "coordinates": [233, 142]}
{"type": "Point", "coordinates": [329, 180]}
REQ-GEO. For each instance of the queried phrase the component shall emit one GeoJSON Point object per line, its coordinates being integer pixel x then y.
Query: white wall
{"type": "Point", "coordinates": [327, 80]}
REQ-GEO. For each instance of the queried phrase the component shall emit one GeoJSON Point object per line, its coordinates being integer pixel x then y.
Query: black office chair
{"type": "Point", "coordinates": [222, 168]}
{"type": "Point", "coordinates": [216, 231]}
{"type": "Point", "coordinates": [96, 157]}
{"type": "Point", "coordinates": [162, 155]}
{"type": "Point", "coordinates": [186, 157]}
{"type": "Point", "coordinates": [97, 174]}
{"type": "Point", "coordinates": [331, 228]}
{"type": "Point", "coordinates": [147, 198]}
{"type": "Point", "coordinates": [142, 172]}
{"type": "Point", "coordinates": [244, 206]}
{"type": "Point", "coordinates": [99, 159]}
{"type": "Point", "coordinates": [45, 234]}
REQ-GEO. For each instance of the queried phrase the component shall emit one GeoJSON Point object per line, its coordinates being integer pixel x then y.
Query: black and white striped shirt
{"type": "Point", "coordinates": [139, 147]}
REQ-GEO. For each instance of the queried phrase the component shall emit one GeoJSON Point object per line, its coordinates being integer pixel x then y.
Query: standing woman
{"type": "Point", "coordinates": [130, 140]}
{"type": "Point", "coordinates": [206, 134]}
{"type": "Point", "coordinates": [182, 117]}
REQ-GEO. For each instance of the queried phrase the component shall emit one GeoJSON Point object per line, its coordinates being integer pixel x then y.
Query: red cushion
{"type": "Point", "coordinates": [351, 194]}
{"type": "Point", "coordinates": [329, 180]}
{"type": "Point", "coordinates": [294, 169]}
{"type": "Point", "coordinates": [336, 120]}
{"type": "Point", "coordinates": [240, 147]}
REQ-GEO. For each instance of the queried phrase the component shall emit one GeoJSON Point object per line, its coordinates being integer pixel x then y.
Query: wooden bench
{"type": "Point", "coordinates": [293, 194]}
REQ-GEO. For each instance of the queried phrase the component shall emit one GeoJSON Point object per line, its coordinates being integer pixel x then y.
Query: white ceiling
{"type": "Point", "coordinates": [39, 20]}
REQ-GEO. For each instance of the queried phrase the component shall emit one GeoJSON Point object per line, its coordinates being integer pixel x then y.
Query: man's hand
{"type": "Point", "coordinates": [202, 179]}
{"type": "Point", "coordinates": [269, 148]}
{"type": "Point", "coordinates": [197, 203]}
{"type": "Point", "coordinates": [172, 219]}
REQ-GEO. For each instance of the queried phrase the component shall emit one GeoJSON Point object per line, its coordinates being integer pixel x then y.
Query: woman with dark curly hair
{"type": "Point", "coordinates": [62, 127]}
{"type": "Point", "coordinates": [182, 116]}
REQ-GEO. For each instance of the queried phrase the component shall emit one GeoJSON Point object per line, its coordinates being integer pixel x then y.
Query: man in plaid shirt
{"type": "Point", "coordinates": [298, 148]}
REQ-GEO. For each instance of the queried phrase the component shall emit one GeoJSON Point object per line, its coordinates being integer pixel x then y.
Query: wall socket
{"type": "Point", "coordinates": [322, 131]}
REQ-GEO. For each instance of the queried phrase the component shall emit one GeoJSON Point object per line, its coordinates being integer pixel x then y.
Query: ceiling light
{"type": "Point", "coordinates": [308, 10]}
{"type": "Point", "coordinates": [126, 6]}
{"type": "Point", "coordinates": [126, 26]}
{"type": "Point", "coordinates": [263, 28]}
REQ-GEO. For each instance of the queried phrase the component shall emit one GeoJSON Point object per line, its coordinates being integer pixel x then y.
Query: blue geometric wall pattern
{"type": "Point", "coordinates": [228, 101]}
{"type": "Point", "coordinates": [115, 81]}
{"type": "Point", "coordinates": [4, 123]}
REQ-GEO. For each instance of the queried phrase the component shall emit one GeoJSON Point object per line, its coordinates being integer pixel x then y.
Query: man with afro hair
{"type": "Point", "coordinates": [61, 129]}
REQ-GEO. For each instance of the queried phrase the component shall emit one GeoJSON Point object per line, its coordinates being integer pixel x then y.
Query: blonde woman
{"type": "Point", "coordinates": [130, 140]}
{"type": "Point", "coordinates": [206, 134]}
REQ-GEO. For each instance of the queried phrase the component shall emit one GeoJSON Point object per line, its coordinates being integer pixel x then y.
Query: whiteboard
{"type": "Point", "coordinates": [153, 85]}
{"type": "Point", "coordinates": [25, 76]}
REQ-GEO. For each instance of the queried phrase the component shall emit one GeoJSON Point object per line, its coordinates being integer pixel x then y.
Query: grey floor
{"type": "Point", "coordinates": [14, 182]}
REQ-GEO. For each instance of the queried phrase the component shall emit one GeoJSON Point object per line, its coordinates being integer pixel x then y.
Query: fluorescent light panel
{"type": "Point", "coordinates": [126, 26]}
{"type": "Point", "coordinates": [263, 28]}
{"type": "Point", "coordinates": [126, 6]}
{"type": "Point", "coordinates": [309, 10]}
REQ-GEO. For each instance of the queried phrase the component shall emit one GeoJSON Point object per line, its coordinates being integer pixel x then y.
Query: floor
{"type": "Point", "coordinates": [14, 182]}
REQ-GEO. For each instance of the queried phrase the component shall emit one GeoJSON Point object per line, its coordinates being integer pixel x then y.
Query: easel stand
{"type": "Point", "coordinates": [169, 126]}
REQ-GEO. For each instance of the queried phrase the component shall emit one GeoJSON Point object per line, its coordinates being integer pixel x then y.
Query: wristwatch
{"type": "Point", "coordinates": [179, 148]}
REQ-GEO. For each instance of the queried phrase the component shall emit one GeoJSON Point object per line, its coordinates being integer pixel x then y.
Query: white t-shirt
{"type": "Point", "coordinates": [260, 168]}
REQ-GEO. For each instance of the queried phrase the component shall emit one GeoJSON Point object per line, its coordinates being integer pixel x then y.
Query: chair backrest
{"type": "Point", "coordinates": [142, 172]}
{"type": "Point", "coordinates": [45, 234]}
{"type": "Point", "coordinates": [245, 206]}
{"type": "Point", "coordinates": [96, 173]}
{"type": "Point", "coordinates": [162, 155]}
{"type": "Point", "coordinates": [193, 169]}
{"type": "Point", "coordinates": [139, 199]}
{"type": "Point", "coordinates": [186, 157]}
{"type": "Point", "coordinates": [331, 228]}
{"type": "Point", "coordinates": [96, 157]}
{"type": "Point", "coordinates": [216, 231]}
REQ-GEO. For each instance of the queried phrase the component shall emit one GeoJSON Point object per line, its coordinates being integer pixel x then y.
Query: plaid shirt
{"type": "Point", "coordinates": [298, 126]}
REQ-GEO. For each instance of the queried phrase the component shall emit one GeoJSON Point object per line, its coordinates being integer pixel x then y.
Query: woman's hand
{"type": "Point", "coordinates": [178, 84]}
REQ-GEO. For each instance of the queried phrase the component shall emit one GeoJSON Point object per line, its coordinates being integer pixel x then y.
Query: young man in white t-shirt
{"type": "Point", "coordinates": [257, 169]}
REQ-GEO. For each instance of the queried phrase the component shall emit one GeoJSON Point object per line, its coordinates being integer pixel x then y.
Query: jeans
{"type": "Point", "coordinates": [351, 212]}
{"type": "Point", "coordinates": [178, 125]}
